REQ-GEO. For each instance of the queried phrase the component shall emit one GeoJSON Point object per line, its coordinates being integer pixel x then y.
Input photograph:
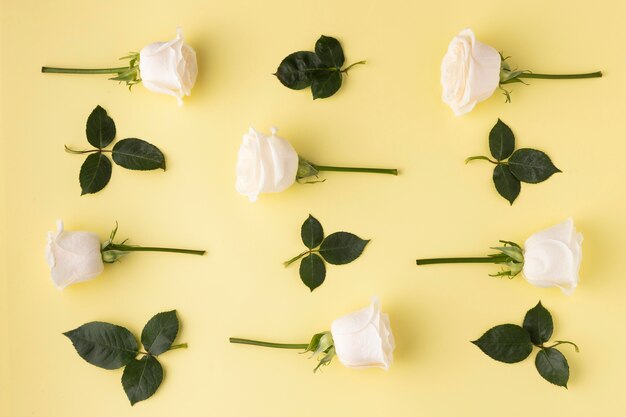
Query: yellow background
{"type": "Point", "coordinates": [389, 114]}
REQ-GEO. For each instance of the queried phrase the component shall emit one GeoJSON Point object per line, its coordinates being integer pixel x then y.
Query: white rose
{"type": "Point", "coordinates": [363, 339]}
{"type": "Point", "coordinates": [169, 67]}
{"type": "Point", "coordinates": [470, 72]}
{"type": "Point", "coordinates": [266, 164]}
{"type": "Point", "coordinates": [73, 256]}
{"type": "Point", "coordinates": [552, 257]}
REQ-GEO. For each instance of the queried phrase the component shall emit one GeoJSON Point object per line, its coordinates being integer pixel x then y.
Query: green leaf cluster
{"type": "Point", "coordinates": [338, 248]}
{"type": "Point", "coordinates": [523, 165]}
{"type": "Point", "coordinates": [130, 153]}
{"type": "Point", "coordinates": [510, 343]}
{"type": "Point", "coordinates": [109, 346]}
{"type": "Point", "coordinates": [320, 70]}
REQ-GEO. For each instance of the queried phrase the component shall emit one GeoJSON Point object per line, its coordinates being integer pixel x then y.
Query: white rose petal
{"type": "Point", "coordinates": [169, 67]}
{"type": "Point", "coordinates": [73, 256]}
{"type": "Point", "coordinates": [470, 72]}
{"type": "Point", "coordinates": [363, 339]}
{"type": "Point", "coordinates": [552, 257]}
{"type": "Point", "coordinates": [266, 164]}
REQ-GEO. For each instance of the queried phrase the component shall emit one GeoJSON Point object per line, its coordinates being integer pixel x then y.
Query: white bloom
{"type": "Point", "coordinates": [169, 67]}
{"type": "Point", "coordinates": [470, 72]}
{"type": "Point", "coordinates": [363, 339]}
{"type": "Point", "coordinates": [266, 164]}
{"type": "Point", "coordinates": [73, 256]}
{"type": "Point", "coordinates": [552, 257]}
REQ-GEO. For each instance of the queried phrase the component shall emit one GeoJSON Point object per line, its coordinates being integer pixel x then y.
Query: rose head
{"type": "Point", "coordinates": [266, 164]}
{"type": "Point", "coordinates": [552, 257]}
{"type": "Point", "coordinates": [470, 72]}
{"type": "Point", "coordinates": [169, 67]}
{"type": "Point", "coordinates": [73, 256]}
{"type": "Point", "coordinates": [363, 339]}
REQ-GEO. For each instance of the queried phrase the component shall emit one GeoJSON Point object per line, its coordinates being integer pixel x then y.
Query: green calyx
{"type": "Point", "coordinates": [306, 170]}
{"type": "Point", "coordinates": [510, 257]}
{"type": "Point", "coordinates": [508, 76]}
{"type": "Point", "coordinates": [322, 346]}
{"type": "Point", "coordinates": [129, 75]}
{"type": "Point", "coordinates": [109, 253]}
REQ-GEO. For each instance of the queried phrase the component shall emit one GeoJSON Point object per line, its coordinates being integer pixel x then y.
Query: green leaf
{"type": "Point", "coordinates": [95, 173]}
{"type": "Point", "coordinates": [531, 165]}
{"type": "Point", "coordinates": [329, 52]}
{"type": "Point", "coordinates": [312, 271]}
{"type": "Point", "coordinates": [160, 332]}
{"type": "Point", "coordinates": [100, 128]}
{"type": "Point", "coordinates": [552, 366]}
{"type": "Point", "coordinates": [501, 141]}
{"type": "Point", "coordinates": [507, 343]}
{"type": "Point", "coordinates": [325, 83]}
{"type": "Point", "coordinates": [342, 247]}
{"type": "Point", "coordinates": [142, 378]}
{"type": "Point", "coordinates": [538, 323]}
{"type": "Point", "coordinates": [103, 344]}
{"type": "Point", "coordinates": [506, 184]}
{"type": "Point", "coordinates": [296, 71]}
{"type": "Point", "coordinates": [138, 154]}
{"type": "Point", "coordinates": [311, 232]}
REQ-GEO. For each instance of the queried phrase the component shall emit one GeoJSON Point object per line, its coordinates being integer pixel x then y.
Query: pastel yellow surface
{"type": "Point", "coordinates": [388, 114]}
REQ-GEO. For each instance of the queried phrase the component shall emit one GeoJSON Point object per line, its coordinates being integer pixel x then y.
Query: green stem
{"type": "Point", "coordinates": [352, 169]}
{"type": "Point", "coordinates": [70, 150]}
{"type": "Point", "coordinates": [268, 344]}
{"type": "Point", "coordinates": [295, 258]}
{"type": "Point", "coordinates": [84, 70]}
{"type": "Point", "coordinates": [179, 346]}
{"type": "Point", "coordinates": [130, 248]}
{"type": "Point", "coordinates": [350, 66]}
{"type": "Point", "coordinates": [596, 74]}
{"type": "Point", "coordinates": [498, 259]}
{"type": "Point", "coordinates": [484, 158]}
{"type": "Point", "coordinates": [561, 342]}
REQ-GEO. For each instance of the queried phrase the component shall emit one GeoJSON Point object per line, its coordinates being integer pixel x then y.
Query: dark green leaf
{"type": "Point", "coordinates": [329, 51]}
{"type": "Point", "coordinates": [160, 332]}
{"type": "Point", "coordinates": [311, 232]}
{"type": "Point", "coordinates": [312, 271]}
{"type": "Point", "coordinates": [501, 141]}
{"type": "Point", "coordinates": [538, 323]}
{"type": "Point", "coordinates": [100, 128]}
{"type": "Point", "coordinates": [506, 184]}
{"type": "Point", "coordinates": [95, 173]}
{"type": "Point", "coordinates": [552, 366]}
{"type": "Point", "coordinates": [507, 343]}
{"type": "Point", "coordinates": [296, 71]}
{"type": "Point", "coordinates": [325, 83]}
{"type": "Point", "coordinates": [142, 378]}
{"type": "Point", "coordinates": [103, 344]}
{"type": "Point", "coordinates": [531, 165]}
{"type": "Point", "coordinates": [342, 247]}
{"type": "Point", "coordinates": [138, 154]}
